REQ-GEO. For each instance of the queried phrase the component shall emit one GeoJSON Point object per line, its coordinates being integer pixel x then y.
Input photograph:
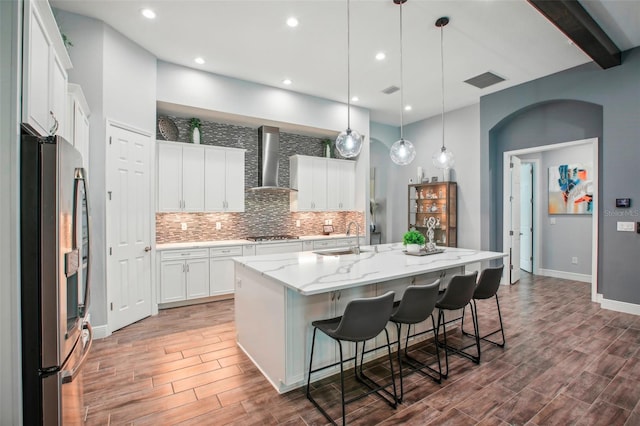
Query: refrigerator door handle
{"type": "Point", "coordinates": [69, 375]}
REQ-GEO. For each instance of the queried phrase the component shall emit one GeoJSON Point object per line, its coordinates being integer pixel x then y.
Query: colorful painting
{"type": "Point", "coordinates": [571, 189]}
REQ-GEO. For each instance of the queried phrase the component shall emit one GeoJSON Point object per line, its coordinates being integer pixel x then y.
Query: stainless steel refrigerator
{"type": "Point", "coordinates": [55, 280]}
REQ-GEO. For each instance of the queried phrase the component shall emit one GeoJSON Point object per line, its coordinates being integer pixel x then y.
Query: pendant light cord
{"type": "Point", "coordinates": [348, 66]}
{"type": "Point", "coordinates": [442, 78]}
{"type": "Point", "coordinates": [401, 81]}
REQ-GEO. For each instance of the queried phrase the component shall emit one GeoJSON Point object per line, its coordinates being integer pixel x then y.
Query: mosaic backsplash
{"type": "Point", "coordinates": [265, 213]}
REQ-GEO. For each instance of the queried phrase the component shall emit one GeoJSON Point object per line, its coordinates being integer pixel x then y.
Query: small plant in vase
{"type": "Point", "coordinates": [414, 240]}
{"type": "Point", "coordinates": [194, 125]}
{"type": "Point", "coordinates": [327, 151]}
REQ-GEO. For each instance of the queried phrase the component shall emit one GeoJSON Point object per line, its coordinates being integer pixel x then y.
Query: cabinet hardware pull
{"type": "Point", "coordinates": [187, 267]}
{"type": "Point", "coordinates": [183, 270]}
{"type": "Point", "coordinates": [147, 248]}
{"type": "Point", "coordinates": [339, 294]}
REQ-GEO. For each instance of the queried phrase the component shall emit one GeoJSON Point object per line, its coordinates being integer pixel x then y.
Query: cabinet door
{"type": "Point", "coordinates": [222, 276]}
{"type": "Point", "coordinates": [334, 189]}
{"type": "Point", "coordinates": [234, 188]}
{"type": "Point", "coordinates": [340, 185]}
{"type": "Point", "coordinates": [36, 73]}
{"type": "Point", "coordinates": [214, 180]}
{"type": "Point", "coordinates": [172, 281]}
{"type": "Point", "coordinates": [58, 100]}
{"type": "Point", "coordinates": [197, 278]}
{"type": "Point", "coordinates": [169, 177]}
{"type": "Point", "coordinates": [319, 183]}
{"type": "Point", "coordinates": [192, 178]}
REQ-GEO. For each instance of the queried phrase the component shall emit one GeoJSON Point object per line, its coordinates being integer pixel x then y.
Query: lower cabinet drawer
{"type": "Point", "coordinates": [226, 251]}
{"type": "Point", "coordinates": [183, 254]}
{"type": "Point", "coordinates": [322, 244]}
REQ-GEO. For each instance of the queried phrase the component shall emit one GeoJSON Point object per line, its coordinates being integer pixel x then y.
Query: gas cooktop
{"type": "Point", "coordinates": [272, 238]}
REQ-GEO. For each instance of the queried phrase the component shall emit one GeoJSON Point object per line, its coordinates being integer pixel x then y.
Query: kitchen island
{"type": "Point", "coordinates": [278, 296]}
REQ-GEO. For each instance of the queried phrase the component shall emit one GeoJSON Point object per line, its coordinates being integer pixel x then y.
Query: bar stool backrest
{"type": "Point", "coordinates": [488, 283]}
{"type": "Point", "coordinates": [365, 318]}
{"type": "Point", "coordinates": [459, 292]}
{"type": "Point", "coordinates": [417, 303]}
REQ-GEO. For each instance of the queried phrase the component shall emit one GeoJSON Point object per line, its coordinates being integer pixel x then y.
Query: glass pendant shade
{"type": "Point", "coordinates": [443, 159]}
{"type": "Point", "coordinates": [349, 143]}
{"type": "Point", "coordinates": [402, 152]}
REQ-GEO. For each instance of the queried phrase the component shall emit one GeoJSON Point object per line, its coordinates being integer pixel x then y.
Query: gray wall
{"type": "Point", "coordinates": [118, 79]}
{"type": "Point", "coordinates": [10, 69]}
{"type": "Point", "coordinates": [564, 107]}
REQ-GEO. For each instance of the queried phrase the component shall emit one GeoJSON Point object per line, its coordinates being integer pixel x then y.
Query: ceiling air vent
{"type": "Point", "coordinates": [391, 89]}
{"type": "Point", "coordinates": [484, 80]}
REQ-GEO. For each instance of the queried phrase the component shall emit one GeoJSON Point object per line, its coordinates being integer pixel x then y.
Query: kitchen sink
{"type": "Point", "coordinates": [339, 251]}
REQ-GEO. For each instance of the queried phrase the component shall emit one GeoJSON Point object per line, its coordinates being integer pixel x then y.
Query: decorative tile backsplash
{"type": "Point", "coordinates": [265, 213]}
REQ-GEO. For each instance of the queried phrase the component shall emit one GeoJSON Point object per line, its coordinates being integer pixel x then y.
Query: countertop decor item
{"type": "Point", "coordinates": [414, 240]}
{"type": "Point", "coordinates": [328, 151]}
{"type": "Point", "coordinates": [194, 125]}
{"type": "Point", "coordinates": [168, 129]}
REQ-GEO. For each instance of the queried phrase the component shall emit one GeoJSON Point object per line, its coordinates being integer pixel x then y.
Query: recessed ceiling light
{"type": "Point", "coordinates": [287, 81]}
{"type": "Point", "coordinates": [408, 108]}
{"type": "Point", "coordinates": [355, 99]}
{"type": "Point", "coordinates": [148, 13]}
{"type": "Point", "coordinates": [380, 56]}
{"type": "Point", "coordinates": [292, 22]}
{"type": "Point", "coordinates": [199, 60]}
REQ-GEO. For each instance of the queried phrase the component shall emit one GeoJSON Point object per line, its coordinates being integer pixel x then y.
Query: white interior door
{"type": "Point", "coordinates": [129, 226]}
{"type": "Point", "coordinates": [514, 258]}
{"type": "Point", "coordinates": [526, 217]}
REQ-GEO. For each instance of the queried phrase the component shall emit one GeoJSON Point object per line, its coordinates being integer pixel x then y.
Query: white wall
{"type": "Point", "coordinates": [462, 137]}
{"type": "Point", "coordinates": [118, 78]}
{"type": "Point", "coordinates": [10, 69]}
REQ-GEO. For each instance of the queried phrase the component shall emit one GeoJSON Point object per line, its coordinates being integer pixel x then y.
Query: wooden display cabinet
{"type": "Point", "coordinates": [437, 200]}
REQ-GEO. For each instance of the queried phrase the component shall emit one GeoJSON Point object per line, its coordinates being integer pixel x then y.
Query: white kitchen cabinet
{"type": "Point", "coordinates": [275, 248]}
{"type": "Point", "coordinates": [180, 177]}
{"type": "Point", "coordinates": [224, 179]}
{"type": "Point", "coordinates": [341, 184]}
{"type": "Point", "coordinates": [323, 184]}
{"type": "Point", "coordinates": [222, 269]}
{"type": "Point", "coordinates": [78, 121]}
{"type": "Point", "coordinates": [184, 274]}
{"type": "Point", "coordinates": [45, 64]}
{"type": "Point", "coordinates": [309, 176]}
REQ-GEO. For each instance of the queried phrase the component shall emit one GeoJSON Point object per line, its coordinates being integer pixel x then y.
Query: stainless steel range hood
{"type": "Point", "coordinates": [268, 160]}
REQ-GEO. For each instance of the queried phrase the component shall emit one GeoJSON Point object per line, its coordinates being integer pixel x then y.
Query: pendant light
{"type": "Point", "coordinates": [349, 142]}
{"type": "Point", "coordinates": [402, 151]}
{"type": "Point", "coordinates": [443, 159]}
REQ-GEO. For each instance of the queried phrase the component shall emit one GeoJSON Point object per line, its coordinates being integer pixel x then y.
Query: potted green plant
{"type": "Point", "coordinates": [414, 240]}
{"type": "Point", "coordinates": [194, 125]}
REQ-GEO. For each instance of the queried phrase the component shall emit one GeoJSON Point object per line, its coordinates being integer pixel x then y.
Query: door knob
{"type": "Point", "coordinates": [147, 248]}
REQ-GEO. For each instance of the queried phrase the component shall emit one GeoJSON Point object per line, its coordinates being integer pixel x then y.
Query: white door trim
{"type": "Point", "coordinates": [537, 212]}
{"type": "Point", "coordinates": [595, 297]}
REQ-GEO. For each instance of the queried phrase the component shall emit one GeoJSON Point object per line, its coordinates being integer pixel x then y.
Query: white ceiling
{"type": "Point", "coordinates": [249, 40]}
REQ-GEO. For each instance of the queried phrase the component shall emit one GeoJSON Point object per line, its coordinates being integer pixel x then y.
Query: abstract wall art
{"type": "Point", "coordinates": [571, 189]}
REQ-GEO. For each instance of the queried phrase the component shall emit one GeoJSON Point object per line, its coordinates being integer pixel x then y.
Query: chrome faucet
{"type": "Point", "coordinates": [356, 249]}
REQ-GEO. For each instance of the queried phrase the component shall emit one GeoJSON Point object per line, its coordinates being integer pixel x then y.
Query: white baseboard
{"type": "Point", "coordinates": [614, 305]}
{"type": "Point", "coordinates": [101, 331]}
{"type": "Point", "coordinates": [565, 275]}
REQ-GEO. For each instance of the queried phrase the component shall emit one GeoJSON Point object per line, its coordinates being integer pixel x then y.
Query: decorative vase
{"type": "Point", "coordinates": [420, 174]}
{"type": "Point", "coordinates": [327, 151]}
{"type": "Point", "coordinates": [195, 135]}
{"type": "Point", "coordinates": [413, 248]}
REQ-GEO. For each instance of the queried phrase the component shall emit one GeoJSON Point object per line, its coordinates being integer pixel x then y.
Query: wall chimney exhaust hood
{"type": "Point", "coordinates": [268, 160]}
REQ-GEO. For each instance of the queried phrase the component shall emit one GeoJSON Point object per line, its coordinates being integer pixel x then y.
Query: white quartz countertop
{"type": "Point", "coordinates": [217, 243]}
{"type": "Point", "coordinates": [310, 273]}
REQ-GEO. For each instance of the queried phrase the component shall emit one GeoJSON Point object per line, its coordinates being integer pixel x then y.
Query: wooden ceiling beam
{"type": "Point", "coordinates": [576, 23]}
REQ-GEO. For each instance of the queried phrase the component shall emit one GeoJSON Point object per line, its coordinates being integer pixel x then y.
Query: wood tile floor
{"type": "Point", "coordinates": [566, 362]}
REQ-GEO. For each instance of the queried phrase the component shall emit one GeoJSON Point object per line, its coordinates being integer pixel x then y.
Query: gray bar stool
{"type": "Point", "coordinates": [416, 305]}
{"type": "Point", "coordinates": [488, 285]}
{"type": "Point", "coordinates": [363, 319]}
{"type": "Point", "coordinates": [458, 295]}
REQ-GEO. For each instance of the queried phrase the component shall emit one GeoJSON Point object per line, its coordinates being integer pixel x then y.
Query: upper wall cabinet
{"type": "Point", "coordinates": [45, 65]}
{"type": "Point", "coordinates": [224, 179]}
{"type": "Point", "coordinates": [322, 183]}
{"type": "Point", "coordinates": [180, 177]}
{"type": "Point", "coordinates": [198, 178]}
{"type": "Point", "coordinates": [78, 121]}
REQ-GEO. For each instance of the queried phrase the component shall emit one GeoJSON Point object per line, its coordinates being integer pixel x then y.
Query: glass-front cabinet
{"type": "Point", "coordinates": [437, 200]}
